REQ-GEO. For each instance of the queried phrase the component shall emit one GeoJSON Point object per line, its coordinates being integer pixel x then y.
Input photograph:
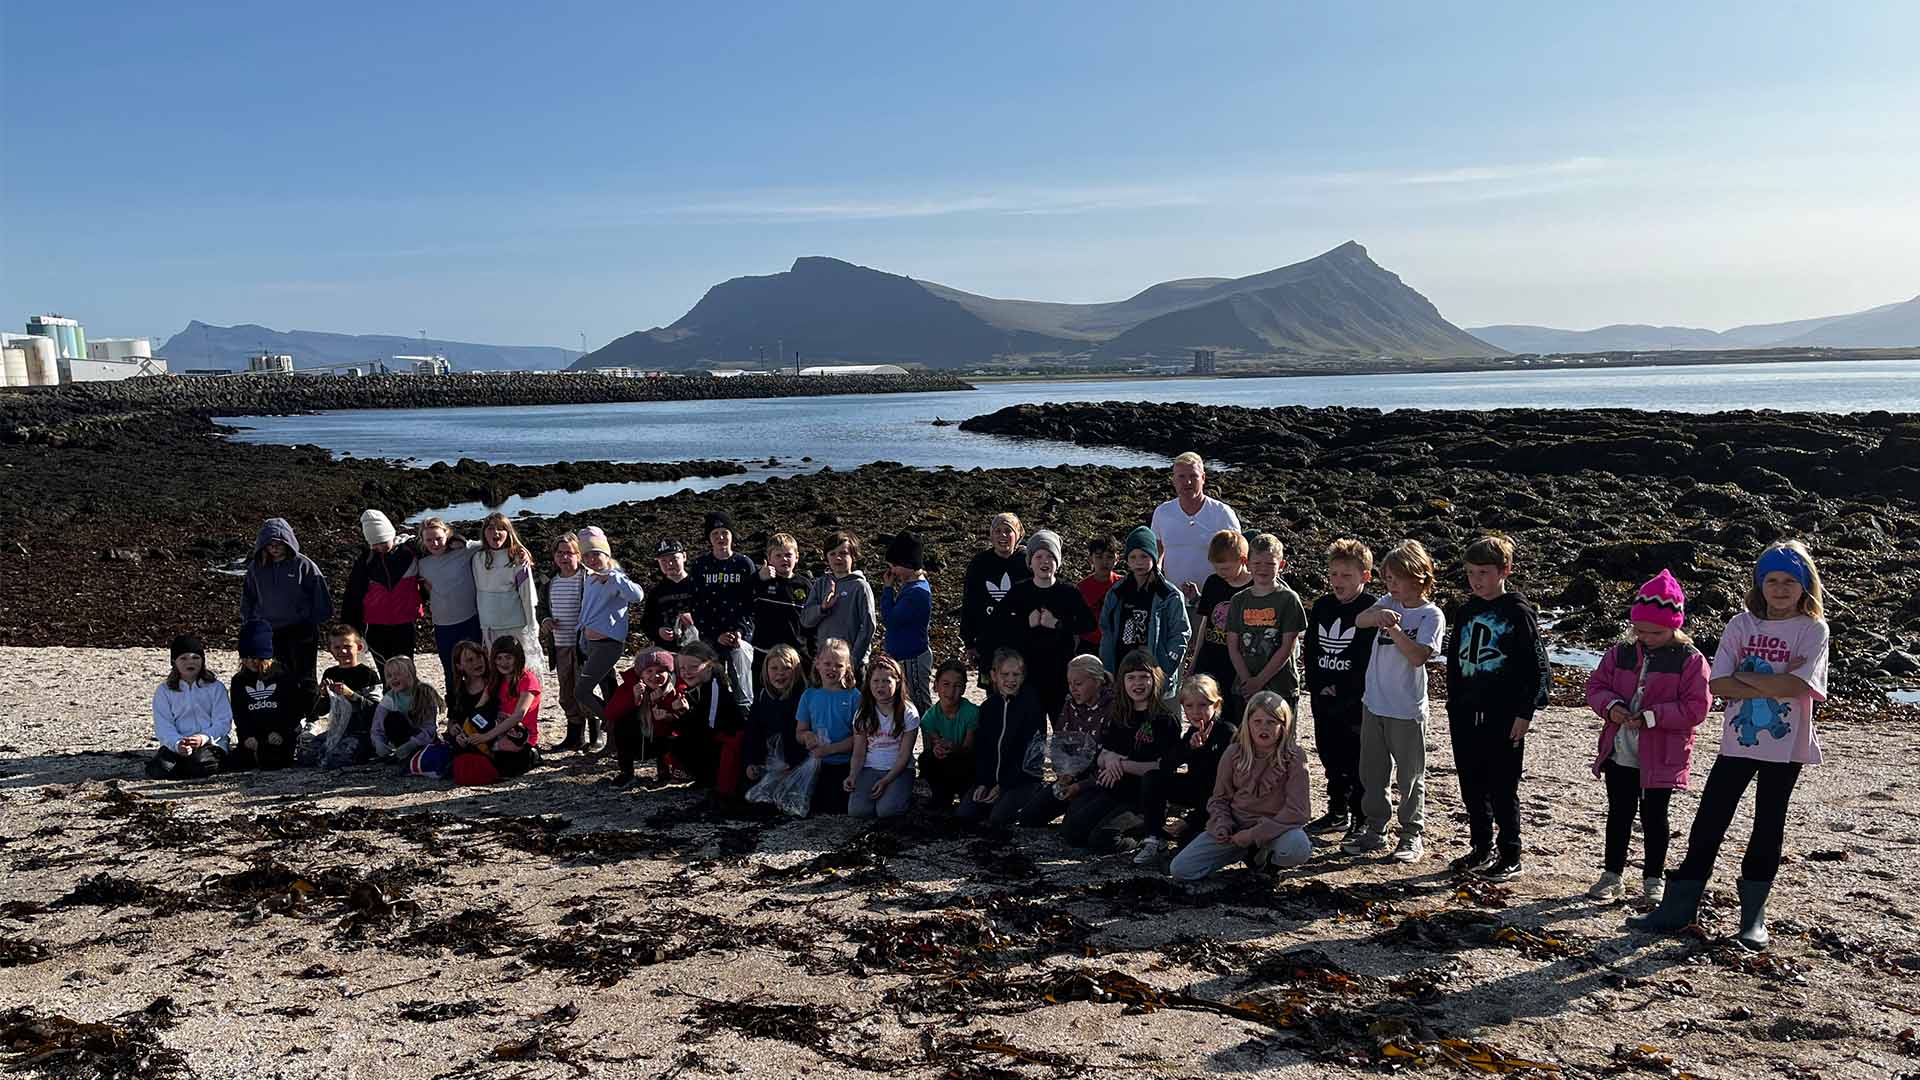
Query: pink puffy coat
{"type": "Point", "coordinates": [1676, 691]}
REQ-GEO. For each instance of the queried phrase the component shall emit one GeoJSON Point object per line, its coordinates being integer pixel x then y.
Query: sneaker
{"type": "Point", "coordinates": [1506, 869]}
{"type": "Point", "coordinates": [1653, 889]}
{"type": "Point", "coordinates": [1607, 889]}
{"type": "Point", "coordinates": [1354, 830]}
{"type": "Point", "coordinates": [1124, 822]}
{"type": "Point", "coordinates": [1331, 821]}
{"type": "Point", "coordinates": [1366, 843]}
{"type": "Point", "coordinates": [1411, 850]}
{"type": "Point", "coordinates": [1149, 852]}
{"type": "Point", "coordinates": [1474, 859]}
{"type": "Point", "coordinates": [619, 783]}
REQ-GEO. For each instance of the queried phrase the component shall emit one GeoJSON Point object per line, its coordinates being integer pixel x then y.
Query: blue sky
{"type": "Point", "coordinates": [521, 174]}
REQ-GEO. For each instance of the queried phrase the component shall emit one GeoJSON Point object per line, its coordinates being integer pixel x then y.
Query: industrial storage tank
{"type": "Point", "coordinates": [14, 359]}
{"type": "Point", "coordinates": [43, 360]}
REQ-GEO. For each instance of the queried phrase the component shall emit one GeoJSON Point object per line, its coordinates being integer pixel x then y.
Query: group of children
{"type": "Point", "coordinates": [1110, 705]}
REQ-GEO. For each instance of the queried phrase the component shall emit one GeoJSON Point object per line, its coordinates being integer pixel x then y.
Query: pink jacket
{"type": "Point", "coordinates": [1676, 692]}
{"type": "Point", "coordinates": [1271, 797]}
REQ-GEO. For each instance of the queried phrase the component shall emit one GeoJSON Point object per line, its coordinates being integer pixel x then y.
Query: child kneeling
{"type": "Point", "coordinates": [192, 717]}
{"type": "Point", "coordinates": [1261, 798]}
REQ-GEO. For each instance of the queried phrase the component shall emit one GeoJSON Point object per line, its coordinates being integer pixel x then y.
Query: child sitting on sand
{"type": "Point", "coordinates": [498, 740]}
{"type": "Point", "coordinates": [351, 691]}
{"type": "Point", "coordinates": [1076, 741]}
{"type": "Point", "coordinates": [192, 717]}
{"type": "Point", "coordinates": [950, 727]}
{"type": "Point", "coordinates": [709, 740]}
{"type": "Point", "coordinates": [772, 731]}
{"type": "Point", "coordinates": [885, 726]}
{"type": "Point", "coordinates": [1184, 781]}
{"type": "Point", "coordinates": [1011, 720]}
{"type": "Point", "coordinates": [268, 703]}
{"type": "Point", "coordinates": [407, 720]}
{"type": "Point", "coordinates": [1261, 798]}
{"type": "Point", "coordinates": [643, 713]}
{"type": "Point", "coordinates": [1139, 734]}
{"type": "Point", "coordinates": [825, 723]}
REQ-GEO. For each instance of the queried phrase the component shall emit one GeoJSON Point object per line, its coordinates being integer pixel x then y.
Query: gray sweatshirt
{"type": "Point", "coordinates": [851, 619]}
{"type": "Point", "coordinates": [449, 579]}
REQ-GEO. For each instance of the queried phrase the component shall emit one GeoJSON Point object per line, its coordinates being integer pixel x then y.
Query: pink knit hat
{"type": "Point", "coordinates": [1661, 602]}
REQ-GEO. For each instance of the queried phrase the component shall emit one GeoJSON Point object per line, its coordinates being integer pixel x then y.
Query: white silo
{"type": "Point", "coordinates": [14, 359]}
{"type": "Point", "coordinates": [43, 360]}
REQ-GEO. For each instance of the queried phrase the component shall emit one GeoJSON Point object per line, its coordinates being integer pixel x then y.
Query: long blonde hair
{"type": "Point", "coordinates": [1813, 598]}
{"type": "Point", "coordinates": [514, 548]}
{"type": "Point", "coordinates": [839, 645]}
{"type": "Point", "coordinates": [1266, 701]}
{"type": "Point", "coordinates": [427, 704]}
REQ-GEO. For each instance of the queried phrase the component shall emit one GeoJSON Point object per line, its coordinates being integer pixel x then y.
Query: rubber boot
{"type": "Point", "coordinates": [1679, 909]}
{"type": "Point", "coordinates": [576, 730]}
{"type": "Point", "coordinates": [596, 737]}
{"type": "Point", "coordinates": [1753, 914]}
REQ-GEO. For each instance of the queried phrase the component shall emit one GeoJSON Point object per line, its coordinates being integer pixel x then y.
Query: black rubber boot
{"type": "Point", "coordinates": [576, 731]}
{"type": "Point", "coordinates": [1753, 914]}
{"type": "Point", "coordinates": [596, 737]}
{"type": "Point", "coordinates": [1679, 909]}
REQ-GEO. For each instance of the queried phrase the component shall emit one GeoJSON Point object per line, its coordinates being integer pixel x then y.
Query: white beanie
{"type": "Point", "coordinates": [376, 528]}
{"type": "Point", "coordinates": [1045, 540]}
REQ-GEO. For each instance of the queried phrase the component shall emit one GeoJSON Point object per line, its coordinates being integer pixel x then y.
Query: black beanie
{"type": "Point", "coordinates": [906, 550]}
{"type": "Point", "coordinates": [187, 643]}
{"type": "Point", "coordinates": [719, 519]}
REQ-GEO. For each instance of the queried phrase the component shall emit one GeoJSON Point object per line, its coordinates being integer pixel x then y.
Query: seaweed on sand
{"type": "Point", "coordinates": [127, 1047]}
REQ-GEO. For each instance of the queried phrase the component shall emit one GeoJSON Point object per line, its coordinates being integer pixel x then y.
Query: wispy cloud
{"type": "Point", "coordinates": [1495, 174]}
{"type": "Point", "coordinates": [1025, 201]}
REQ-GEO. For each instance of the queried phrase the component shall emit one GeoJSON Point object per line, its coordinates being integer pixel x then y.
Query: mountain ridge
{"type": "Point", "coordinates": [206, 345]}
{"type": "Point", "coordinates": [1886, 326]}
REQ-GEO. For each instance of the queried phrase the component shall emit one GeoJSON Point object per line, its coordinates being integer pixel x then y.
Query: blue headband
{"type": "Point", "coordinates": [1787, 561]}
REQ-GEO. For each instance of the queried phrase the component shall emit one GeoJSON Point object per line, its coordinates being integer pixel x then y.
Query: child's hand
{"type": "Point", "coordinates": [1522, 723]}
{"type": "Point", "coordinates": [1328, 691]}
{"type": "Point", "coordinates": [252, 744]}
{"type": "Point", "coordinates": [1046, 619]}
{"type": "Point", "coordinates": [832, 597]}
{"type": "Point", "coordinates": [684, 623]}
{"type": "Point", "coordinates": [987, 794]}
{"type": "Point", "coordinates": [1221, 833]}
{"type": "Point", "coordinates": [940, 749]}
{"type": "Point", "coordinates": [755, 772]}
{"type": "Point", "coordinates": [820, 750]}
{"type": "Point", "coordinates": [1617, 714]}
{"type": "Point", "coordinates": [729, 639]}
{"type": "Point", "coordinates": [879, 786]}
{"type": "Point", "coordinates": [1243, 838]}
{"type": "Point", "coordinates": [766, 571]}
{"type": "Point", "coordinates": [847, 785]}
{"type": "Point", "coordinates": [546, 625]}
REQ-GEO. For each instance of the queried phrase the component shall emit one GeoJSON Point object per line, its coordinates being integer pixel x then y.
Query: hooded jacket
{"type": "Point", "coordinates": [264, 703]}
{"type": "Point", "coordinates": [989, 578]}
{"type": "Point", "coordinates": [1167, 628]}
{"type": "Point", "coordinates": [1336, 651]}
{"type": "Point", "coordinates": [1675, 691]}
{"type": "Point", "coordinates": [1496, 659]}
{"type": "Point", "coordinates": [1007, 726]}
{"type": "Point", "coordinates": [291, 592]}
{"type": "Point", "coordinates": [383, 590]}
{"type": "Point", "coordinates": [200, 708]}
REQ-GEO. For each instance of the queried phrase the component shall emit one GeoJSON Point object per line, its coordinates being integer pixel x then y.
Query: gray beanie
{"type": "Point", "coordinates": [1048, 541]}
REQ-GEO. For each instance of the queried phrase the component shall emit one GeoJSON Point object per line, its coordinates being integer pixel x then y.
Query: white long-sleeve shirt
{"type": "Point", "coordinates": [197, 709]}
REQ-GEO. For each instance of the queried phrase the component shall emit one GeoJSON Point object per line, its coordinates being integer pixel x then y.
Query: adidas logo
{"type": "Point", "coordinates": [260, 696]}
{"type": "Point", "coordinates": [999, 589]}
{"type": "Point", "coordinates": [1336, 637]}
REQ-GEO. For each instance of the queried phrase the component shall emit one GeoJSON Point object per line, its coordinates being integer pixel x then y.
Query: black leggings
{"type": "Point", "coordinates": [1087, 814]}
{"type": "Point", "coordinates": [1624, 797]}
{"type": "Point", "coordinates": [388, 641]}
{"type": "Point", "coordinates": [1336, 736]}
{"type": "Point", "coordinates": [1726, 785]}
{"type": "Point", "coordinates": [1488, 762]}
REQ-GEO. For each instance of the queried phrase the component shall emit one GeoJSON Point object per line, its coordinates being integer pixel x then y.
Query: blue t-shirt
{"type": "Point", "coordinates": [829, 714]}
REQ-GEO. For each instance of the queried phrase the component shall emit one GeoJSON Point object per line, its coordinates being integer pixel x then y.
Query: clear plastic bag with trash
{"type": "Point", "coordinates": [1070, 753]}
{"type": "Point", "coordinates": [789, 788]}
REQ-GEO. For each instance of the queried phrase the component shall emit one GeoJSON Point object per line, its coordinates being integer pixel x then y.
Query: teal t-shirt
{"type": "Point", "coordinates": [954, 729]}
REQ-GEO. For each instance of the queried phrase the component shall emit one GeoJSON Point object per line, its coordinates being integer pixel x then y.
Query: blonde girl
{"type": "Point", "coordinates": [446, 573]}
{"type": "Point", "coordinates": [408, 716]}
{"type": "Point", "coordinates": [776, 709]}
{"type": "Point", "coordinates": [1261, 798]}
{"type": "Point", "coordinates": [1771, 670]}
{"type": "Point", "coordinates": [1186, 776]}
{"type": "Point", "coordinates": [506, 596]}
{"type": "Point", "coordinates": [824, 724]}
{"type": "Point", "coordinates": [885, 727]}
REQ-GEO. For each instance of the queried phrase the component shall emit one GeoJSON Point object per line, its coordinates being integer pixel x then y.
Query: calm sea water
{"type": "Point", "coordinates": [848, 431]}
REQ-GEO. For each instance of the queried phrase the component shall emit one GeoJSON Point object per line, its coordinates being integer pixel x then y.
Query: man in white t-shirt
{"type": "Point", "coordinates": [1186, 523]}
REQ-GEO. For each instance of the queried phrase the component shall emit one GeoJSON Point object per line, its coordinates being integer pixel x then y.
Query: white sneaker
{"type": "Point", "coordinates": [1149, 852]}
{"type": "Point", "coordinates": [1607, 888]}
{"type": "Point", "coordinates": [1365, 843]}
{"type": "Point", "coordinates": [1653, 889]}
{"type": "Point", "coordinates": [1411, 850]}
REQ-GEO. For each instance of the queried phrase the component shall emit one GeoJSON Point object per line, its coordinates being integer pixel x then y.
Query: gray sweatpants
{"type": "Point", "coordinates": [597, 657]}
{"type": "Point", "coordinates": [1393, 748]}
{"type": "Point", "coordinates": [1203, 854]}
{"type": "Point", "coordinates": [919, 674]}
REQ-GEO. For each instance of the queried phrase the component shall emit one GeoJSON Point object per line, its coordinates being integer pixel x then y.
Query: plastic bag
{"type": "Point", "coordinates": [1069, 752]}
{"type": "Point", "coordinates": [790, 789]}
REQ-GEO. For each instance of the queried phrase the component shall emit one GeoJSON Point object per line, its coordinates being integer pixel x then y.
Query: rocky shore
{"type": "Point", "coordinates": [1597, 500]}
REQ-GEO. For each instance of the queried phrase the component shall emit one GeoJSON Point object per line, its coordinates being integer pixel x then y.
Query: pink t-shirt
{"type": "Point", "coordinates": [1773, 729]}
{"type": "Point", "coordinates": [510, 700]}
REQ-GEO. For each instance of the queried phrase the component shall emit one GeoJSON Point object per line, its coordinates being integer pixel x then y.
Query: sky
{"type": "Point", "coordinates": [519, 174]}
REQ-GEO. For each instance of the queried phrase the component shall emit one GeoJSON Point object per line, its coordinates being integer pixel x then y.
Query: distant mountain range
{"type": "Point", "coordinates": [1338, 303]}
{"type": "Point", "coordinates": [202, 345]}
{"type": "Point", "coordinates": [1883, 327]}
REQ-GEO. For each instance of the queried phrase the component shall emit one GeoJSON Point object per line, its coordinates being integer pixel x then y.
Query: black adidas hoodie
{"type": "Point", "coordinates": [1336, 651]}
{"type": "Point", "coordinates": [264, 703]}
{"type": "Point", "coordinates": [988, 580]}
{"type": "Point", "coordinates": [1496, 658]}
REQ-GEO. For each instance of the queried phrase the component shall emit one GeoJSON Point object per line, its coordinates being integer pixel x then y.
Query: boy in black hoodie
{"type": "Point", "coordinates": [1336, 659]}
{"type": "Point", "coordinates": [1497, 676]}
{"type": "Point", "coordinates": [989, 578]}
{"type": "Point", "coordinates": [268, 702]}
{"type": "Point", "coordinates": [1010, 719]}
{"type": "Point", "coordinates": [723, 605]}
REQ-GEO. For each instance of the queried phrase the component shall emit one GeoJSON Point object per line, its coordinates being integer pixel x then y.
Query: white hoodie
{"type": "Point", "coordinates": [195, 709]}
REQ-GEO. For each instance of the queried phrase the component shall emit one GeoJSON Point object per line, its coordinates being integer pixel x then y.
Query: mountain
{"type": "Point", "coordinates": [202, 345]}
{"type": "Point", "coordinates": [1340, 303]}
{"type": "Point", "coordinates": [1886, 326]}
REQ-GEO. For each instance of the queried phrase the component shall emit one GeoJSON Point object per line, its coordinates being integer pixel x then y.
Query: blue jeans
{"type": "Point", "coordinates": [896, 800]}
{"type": "Point", "coordinates": [446, 637]}
{"type": "Point", "coordinates": [1203, 854]}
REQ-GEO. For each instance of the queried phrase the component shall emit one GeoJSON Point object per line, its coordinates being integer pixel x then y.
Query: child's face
{"type": "Point", "coordinates": [721, 543]}
{"type": "Point", "coordinates": [1402, 587]}
{"type": "Point", "coordinates": [473, 663]}
{"type": "Point", "coordinates": [1199, 712]}
{"type": "Point", "coordinates": [1082, 687]}
{"type": "Point", "coordinates": [1140, 563]}
{"type": "Point", "coordinates": [1266, 567]}
{"type": "Point", "coordinates": [1652, 635]}
{"type": "Point", "coordinates": [1139, 686]}
{"type": "Point", "coordinates": [840, 560]}
{"type": "Point", "coordinates": [397, 677]}
{"type": "Point", "coordinates": [435, 540]}
{"type": "Point", "coordinates": [883, 683]}
{"type": "Point", "coordinates": [258, 665]}
{"type": "Point", "coordinates": [277, 551]}
{"type": "Point", "coordinates": [1265, 729]}
{"type": "Point", "coordinates": [656, 677]}
{"type": "Point", "coordinates": [782, 559]}
{"type": "Point", "coordinates": [1009, 677]}
{"type": "Point", "coordinates": [1487, 582]}
{"type": "Point", "coordinates": [1043, 564]}
{"type": "Point", "coordinates": [780, 672]}
{"type": "Point", "coordinates": [832, 668]}
{"type": "Point", "coordinates": [1783, 592]}
{"type": "Point", "coordinates": [950, 686]}
{"type": "Point", "coordinates": [345, 650]}
{"type": "Point", "coordinates": [566, 559]}
{"type": "Point", "coordinates": [503, 663]}
{"type": "Point", "coordinates": [382, 547]}
{"type": "Point", "coordinates": [692, 670]}
{"type": "Point", "coordinates": [189, 666]}
{"type": "Point", "coordinates": [1346, 579]}
{"type": "Point", "coordinates": [1228, 568]}
{"type": "Point", "coordinates": [1101, 561]}
{"type": "Point", "coordinates": [1003, 535]}
{"type": "Point", "coordinates": [495, 534]}
{"type": "Point", "coordinates": [673, 564]}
